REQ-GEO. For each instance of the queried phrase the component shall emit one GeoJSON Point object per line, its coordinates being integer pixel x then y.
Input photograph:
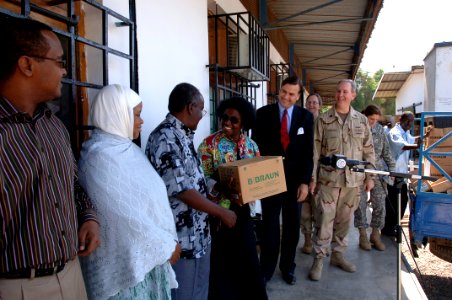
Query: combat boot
{"type": "Point", "coordinates": [363, 241]}
{"type": "Point", "coordinates": [307, 247]}
{"type": "Point", "coordinates": [337, 259]}
{"type": "Point", "coordinates": [375, 239]}
{"type": "Point", "coordinates": [316, 269]}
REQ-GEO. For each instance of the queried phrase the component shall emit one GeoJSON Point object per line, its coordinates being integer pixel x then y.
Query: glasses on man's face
{"type": "Point", "coordinates": [233, 120]}
{"type": "Point", "coordinates": [61, 62]}
{"type": "Point", "coordinates": [204, 112]}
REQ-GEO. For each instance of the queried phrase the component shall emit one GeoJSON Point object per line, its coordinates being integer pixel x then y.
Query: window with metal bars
{"type": "Point", "coordinates": [278, 72]}
{"type": "Point", "coordinates": [99, 43]}
{"type": "Point", "coordinates": [225, 84]}
{"type": "Point", "coordinates": [238, 57]}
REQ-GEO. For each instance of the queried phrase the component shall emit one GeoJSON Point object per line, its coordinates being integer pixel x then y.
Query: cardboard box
{"type": "Point", "coordinates": [254, 178]}
{"type": "Point", "coordinates": [430, 170]}
{"type": "Point", "coordinates": [436, 134]}
{"type": "Point", "coordinates": [441, 185]}
{"type": "Point", "coordinates": [443, 160]}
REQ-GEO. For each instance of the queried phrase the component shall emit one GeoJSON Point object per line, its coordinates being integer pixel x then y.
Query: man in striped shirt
{"type": "Point", "coordinates": [46, 218]}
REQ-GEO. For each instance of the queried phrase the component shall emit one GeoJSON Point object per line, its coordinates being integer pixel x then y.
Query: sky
{"type": "Point", "coordinates": [405, 32]}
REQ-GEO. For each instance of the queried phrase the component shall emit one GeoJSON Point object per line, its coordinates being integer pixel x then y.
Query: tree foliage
{"type": "Point", "coordinates": [366, 86]}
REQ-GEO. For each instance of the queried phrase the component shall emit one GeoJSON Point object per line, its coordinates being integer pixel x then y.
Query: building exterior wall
{"type": "Point", "coordinates": [429, 83]}
{"type": "Point", "coordinates": [411, 92]}
{"type": "Point", "coordinates": [172, 41]}
{"type": "Point", "coordinates": [172, 48]}
{"type": "Point", "coordinates": [443, 86]}
{"type": "Point", "coordinates": [438, 79]}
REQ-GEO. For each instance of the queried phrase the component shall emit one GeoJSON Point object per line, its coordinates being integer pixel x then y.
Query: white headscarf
{"type": "Point", "coordinates": [112, 110]}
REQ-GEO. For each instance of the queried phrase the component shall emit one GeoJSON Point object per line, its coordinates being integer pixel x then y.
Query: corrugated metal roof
{"type": "Point", "coordinates": [328, 37]}
{"type": "Point", "coordinates": [390, 84]}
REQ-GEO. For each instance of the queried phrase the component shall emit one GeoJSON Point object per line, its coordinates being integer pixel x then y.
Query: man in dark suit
{"type": "Point", "coordinates": [285, 129]}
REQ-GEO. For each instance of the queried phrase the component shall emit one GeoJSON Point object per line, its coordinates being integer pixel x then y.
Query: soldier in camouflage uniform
{"type": "Point", "coordinates": [384, 161]}
{"type": "Point", "coordinates": [341, 130]}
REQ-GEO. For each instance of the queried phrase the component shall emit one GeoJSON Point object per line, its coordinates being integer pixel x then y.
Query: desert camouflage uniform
{"type": "Point", "coordinates": [384, 161]}
{"type": "Point", "coordinates": [307, 217]}
{"type": "Point", "coordinates": [338, 190]}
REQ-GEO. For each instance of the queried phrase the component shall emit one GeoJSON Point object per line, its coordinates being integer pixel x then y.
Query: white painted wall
{"type": "Point", "coordinates": [172, 48]}
{"type": "Point", "coordinates": [443, 97]}
{"type": "Point", "coordinates": [411, 92]}
{"type": "Point", "coordinates": [429, 80]}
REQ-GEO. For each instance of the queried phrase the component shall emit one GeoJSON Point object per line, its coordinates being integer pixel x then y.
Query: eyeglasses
{"type": "Point", "coordinates": [312, 102]}
{"type": "Point", "coordinates": [61, 62]}
{"type": "Point", "coordinates": [234, 120]}
{"type": "Point", "coordinates": [203, 111]}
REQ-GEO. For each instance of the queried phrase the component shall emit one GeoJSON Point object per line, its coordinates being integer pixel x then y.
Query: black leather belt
{"type": "Point", "coordinates": [32, 272]}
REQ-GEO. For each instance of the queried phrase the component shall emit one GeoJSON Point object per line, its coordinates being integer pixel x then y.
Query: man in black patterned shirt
{"type": "Point", "coordinates": [46, 218]}
{"type": "Point", "coordinates": [171, 151]}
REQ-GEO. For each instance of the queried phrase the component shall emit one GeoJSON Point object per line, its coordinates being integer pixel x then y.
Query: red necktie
{"type": "Point", "coordinates": [284, 134]}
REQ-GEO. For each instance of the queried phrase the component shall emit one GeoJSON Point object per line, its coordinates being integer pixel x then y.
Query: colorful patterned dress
{"type": "Point", "coordinates": [234, 264]}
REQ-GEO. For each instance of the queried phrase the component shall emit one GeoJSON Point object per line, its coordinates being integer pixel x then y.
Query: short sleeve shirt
{"type": "Point", "coordinates": [171, 151]}
{"type": "Point", "coordinates": [398, 138]}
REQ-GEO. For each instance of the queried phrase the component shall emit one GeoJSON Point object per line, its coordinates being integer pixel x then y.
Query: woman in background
{"type": "Point", "coordinates": [138, 233]}
{"type": "Point", "coordinates": [383, 161]}
{"type": "Point", "coordinates": [234, 264]}
{"type": "Point", "coordinates": [313, 104]}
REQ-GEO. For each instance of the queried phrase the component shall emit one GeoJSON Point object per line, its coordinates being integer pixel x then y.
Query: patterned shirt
{"type": "Point", "coordinates": [170, 150]}
{"type": "Point", "coordinates": [40, 199]}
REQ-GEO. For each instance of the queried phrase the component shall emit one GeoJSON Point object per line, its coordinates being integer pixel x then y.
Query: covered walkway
{"type": "Point", "coordinates": [376, 277]}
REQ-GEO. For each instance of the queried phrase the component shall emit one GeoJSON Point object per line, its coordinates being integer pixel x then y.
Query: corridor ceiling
{"type": "Point", "coordinates": [328, 37]}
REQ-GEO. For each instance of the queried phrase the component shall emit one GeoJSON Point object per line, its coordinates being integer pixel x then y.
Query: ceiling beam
{"type": "Point", "coordinates": [326, 78]}
{"type": "Point", "coordinates": [331, 65]}
{"type": "Point", "coordinates": [329, 55]}
{"type": "Point", "coordinates": [324, 69]}
{"type": "Point", "coordinates": [323, 44]}
{"type": "Point", "coordinates": [305, 24]}
{"type": "Point", "coordinates": [390, 81]}
{"type": "Point", "coordinates": [305, 12]}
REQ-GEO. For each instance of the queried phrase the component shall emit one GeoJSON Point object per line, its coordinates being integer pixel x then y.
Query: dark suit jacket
{"type": "Point", "coordinates": [298, 155]}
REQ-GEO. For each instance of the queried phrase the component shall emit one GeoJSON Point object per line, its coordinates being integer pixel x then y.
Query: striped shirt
{"type": "Point", "coordinates": [41, 203]}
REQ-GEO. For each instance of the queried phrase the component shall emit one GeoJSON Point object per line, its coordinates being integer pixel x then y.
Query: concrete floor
{"type": "Point", "coordinates": [376, 277]}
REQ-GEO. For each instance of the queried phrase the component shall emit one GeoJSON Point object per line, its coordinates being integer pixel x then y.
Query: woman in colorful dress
{"type": "Point", "coordinates": [234, 268]}
{"type": "Point", "coordinates": [138, 233]}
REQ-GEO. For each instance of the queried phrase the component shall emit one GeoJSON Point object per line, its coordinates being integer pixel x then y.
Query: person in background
{"type": "Point", "coordinates": [383, 161]}
{"type": "Point", "coordinates": [400, 143]}
{"type": "Point", "coordinates": [171, 151]}
{"type": "Point", "coordinates": [234, 264]}
{"type": "Point", "coordinates": [313, 105]}
{"type": "Point", "coordinates": [138, 232]}
{"type": "Point", "coordinates": [389, 125]}
{"type": "Point", "coordinates": [46, 220]}
{"type": "Point", "coordinates": [285, 129]}
{"type": "Point", "coordinates": [340, 130]}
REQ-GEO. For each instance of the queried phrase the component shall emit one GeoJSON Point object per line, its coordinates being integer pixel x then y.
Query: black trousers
{"type": "Point", "coordinates": [391, 207]}
{"type": "Point", "coordinates": [272, 241]}
{"type": "Point", "coordinates": [234, 265]}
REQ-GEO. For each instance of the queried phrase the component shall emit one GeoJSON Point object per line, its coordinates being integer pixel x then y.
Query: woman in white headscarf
{"type": "Point", "coordinates": [138, 233]}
